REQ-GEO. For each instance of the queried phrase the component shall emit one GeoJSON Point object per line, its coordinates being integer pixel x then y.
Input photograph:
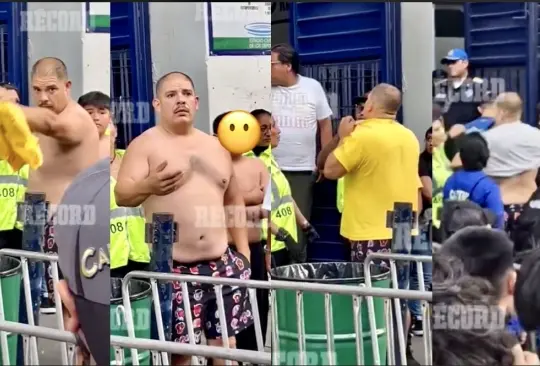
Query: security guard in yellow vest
{"type": "Point", "coordinates": [128, 250]}
{"type": "Point", "coordinates": [12, 187]}
{"type": "Point", "coordinates": [284, 211]}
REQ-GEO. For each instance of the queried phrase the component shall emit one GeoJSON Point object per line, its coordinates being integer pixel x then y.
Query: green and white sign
{"type": "Point", "coordinates": [239, 28]}
{"type": "Point", "coordinates": [98, 17]}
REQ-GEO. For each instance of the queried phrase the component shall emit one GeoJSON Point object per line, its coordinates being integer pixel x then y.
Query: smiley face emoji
{"type": "Point", "coordinates": [239, 132]}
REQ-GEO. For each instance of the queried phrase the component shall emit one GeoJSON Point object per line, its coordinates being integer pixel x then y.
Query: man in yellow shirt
{"type": "Point", "coordinates": [378, 157]}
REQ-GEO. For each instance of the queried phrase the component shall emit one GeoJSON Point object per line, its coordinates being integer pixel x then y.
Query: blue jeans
{"type": "Point", "coordinates": [421, 246]}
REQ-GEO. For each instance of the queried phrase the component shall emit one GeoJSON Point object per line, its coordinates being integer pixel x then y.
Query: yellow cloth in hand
{"type": "Point", "coordinates": [17, 144]}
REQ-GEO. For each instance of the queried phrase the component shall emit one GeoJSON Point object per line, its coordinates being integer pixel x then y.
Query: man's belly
{"type": "Point", "coordinates": [517, 190]}
{"type": "Point", "coordinates": [53, 186]}
{"type": "Point", "coordinates": [199, 213]}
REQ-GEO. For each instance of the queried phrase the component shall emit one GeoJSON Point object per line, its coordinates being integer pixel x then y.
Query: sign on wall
{"type": "Point", "coordinates": [239, 28]}
{"type": "Point", "coordinates": [98, 17]}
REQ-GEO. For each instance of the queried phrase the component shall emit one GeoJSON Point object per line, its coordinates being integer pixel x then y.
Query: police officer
{"type": "Point", "coordinates": [12, 187]}
{"type": "Point", "coordinates": [459, 95]}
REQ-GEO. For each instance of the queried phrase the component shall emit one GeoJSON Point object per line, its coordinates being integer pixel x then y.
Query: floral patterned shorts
{"type": "Point", "coordinates": [203, 303]}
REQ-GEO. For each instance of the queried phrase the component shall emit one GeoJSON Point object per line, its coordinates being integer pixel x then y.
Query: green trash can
{"type": "Point", "coordinates": [11, 278]}
{"type": "Point", "coordinates": [141, 305]}
{"type": "Point", "coordinates": [314, 314]}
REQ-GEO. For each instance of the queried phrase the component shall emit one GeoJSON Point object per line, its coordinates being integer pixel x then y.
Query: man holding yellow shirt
{"type": "Point", "coordinates": [378, 157]}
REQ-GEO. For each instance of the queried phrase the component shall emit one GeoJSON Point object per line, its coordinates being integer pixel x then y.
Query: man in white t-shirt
{"type": "Point", "coordinates": [300, 108]}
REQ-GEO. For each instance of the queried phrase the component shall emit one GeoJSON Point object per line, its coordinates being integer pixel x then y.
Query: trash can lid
{"type": "Point", "coordinates": [83, 253]}
{"type": "Point", "coordinates": [328, 272]}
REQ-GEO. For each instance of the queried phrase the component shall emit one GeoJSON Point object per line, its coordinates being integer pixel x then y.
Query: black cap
{"type": "Point", "coordinates": [83, 255]}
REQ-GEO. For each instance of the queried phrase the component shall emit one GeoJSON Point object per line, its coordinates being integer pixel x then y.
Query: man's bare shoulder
{"type": "Point", "coordinates": [210, 141]}
{"type": "Point", "coordinates": [254, 162]}
{"type": "Point", "coordinates": [142, 142]}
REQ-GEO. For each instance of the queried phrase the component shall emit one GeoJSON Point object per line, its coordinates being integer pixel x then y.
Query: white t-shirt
{"type": "Point", "coordinates": [267, 202]}
{"type": "Point", "coordinates": [296, 110]}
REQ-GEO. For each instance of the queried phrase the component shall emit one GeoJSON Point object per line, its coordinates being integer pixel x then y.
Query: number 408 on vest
{"type": "Point", "coordinates": [283, 212]}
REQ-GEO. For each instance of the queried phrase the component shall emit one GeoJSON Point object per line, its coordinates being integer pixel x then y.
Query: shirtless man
{"type": "Point", "coordinates": [98, 105]}
{"type": "Point", "coordinates": [68, 139]}
{"type": "Point", "coordinates": [253, 177]}
{"type": "Point", "coordinates": [176, 168]}
{"type": "Point", "coordinates": [514, 155]}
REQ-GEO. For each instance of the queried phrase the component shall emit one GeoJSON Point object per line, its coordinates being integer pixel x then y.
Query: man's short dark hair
{"type": "Point", "coordinates": [527, 292]}
{"type": "Point", "coordinates": [166, 76]}
{"type": "Point", "coordinates": [287, 55]}
{"type": "Point", "coordinates": [95, 99]}
{"type": "Point", "coordinates": [217, 121]}
{"type": "Point", "coordinates": [428, 133]}
{"type": "Point", "coordinates": [52, 65]}
{"type": "Point", "coordinates": [485, 343]}
{"type": "Point", "coordinates": [485, 253]}
{"type": "Point", "coordinates": [9, 86]}
{"type": "Point", "coordinates": [473, 151]}
{"type": "Point", "coordinates": [457, 215]}
{"type": "Point", "coordinates": [260, 112]}
{"type": "Point", "coordinates": [360, 101]}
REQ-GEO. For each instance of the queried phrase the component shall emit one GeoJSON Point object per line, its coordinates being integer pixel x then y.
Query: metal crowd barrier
{"type": "Point", "coordinates": [392, 258]}
{"type": "Point", "coordinates": [357, 293]}
{"type": "Point", "coordinates": [160, 348]}
{"type": "Point", "coordinates": [31, 331]}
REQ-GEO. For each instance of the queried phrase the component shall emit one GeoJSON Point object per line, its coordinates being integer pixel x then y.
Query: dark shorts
{"type": "Point", "coordinates": [204, 310]}
{"type": "Point", "coordinates": [511, 214]}
{"type": "Point", "coordinates": [131, 266]}
{"type": "Point", "coordinates": [11, 239]}
{"type": "Point", "coordinates": [49, 247]}
{"type": "Point", "coordinates": [361, 248]}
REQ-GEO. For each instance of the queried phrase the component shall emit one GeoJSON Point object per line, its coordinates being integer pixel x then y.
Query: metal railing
{"type": "Point", "coordinates": [159, 348]}
{"type": "Point", "coordinates": [30, 346]}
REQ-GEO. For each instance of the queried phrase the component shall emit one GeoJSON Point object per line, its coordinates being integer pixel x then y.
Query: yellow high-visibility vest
{"type": "Point", "coordinates": [283, 214]}
{"type": "Point", "coordinates": [127, 234]}
{"type": "Point", "coordinates": [12, 189]}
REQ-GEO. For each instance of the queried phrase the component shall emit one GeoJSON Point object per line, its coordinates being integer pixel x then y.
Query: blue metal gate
{"type": "Point", "coordinates": [348, 48]}
{"type": "Point", "coordinates": [131, 75]}
{"type": "Point", "coordinates": [13, 47]}
{"type": "Point", "coordinates": [502, 41]}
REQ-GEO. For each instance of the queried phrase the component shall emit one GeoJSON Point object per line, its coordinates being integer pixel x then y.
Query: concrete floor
{"type": "Point", "coordinates": [50, 351]}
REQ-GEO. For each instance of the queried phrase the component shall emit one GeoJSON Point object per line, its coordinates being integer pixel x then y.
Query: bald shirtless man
{"type": "Point", "coordinates": [68, 139]}
{"type": "Point", "coordinates": [98, 105]}
{"type": "Point", "coordinates": [176, 168]}
{"type": "Point", "coordinates": [514, 155]}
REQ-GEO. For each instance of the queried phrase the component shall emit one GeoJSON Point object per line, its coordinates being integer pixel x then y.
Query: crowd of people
{"type": "Point", "coordinates": [485, 168]}
{"type": "Point", "coordinates": [472, 188]}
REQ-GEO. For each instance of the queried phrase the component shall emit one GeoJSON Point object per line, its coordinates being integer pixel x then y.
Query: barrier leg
{"type": "Point", "coordinates": [34, 216]}
{"type": "Point", "coordinates": [402, 220]}
{"type": "Point", "coordinates": [163, 235]}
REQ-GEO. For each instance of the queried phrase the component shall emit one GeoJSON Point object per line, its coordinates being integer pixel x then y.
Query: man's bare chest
{"type": "Point", "coordinates": [194, 162]}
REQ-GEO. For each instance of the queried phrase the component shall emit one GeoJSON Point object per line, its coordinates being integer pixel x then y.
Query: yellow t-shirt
{"type": "Point", "coordinates": [381, 159]}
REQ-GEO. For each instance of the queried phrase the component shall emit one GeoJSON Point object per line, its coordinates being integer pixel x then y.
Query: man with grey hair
{"type": "Point", "coordinates": [300, 108]}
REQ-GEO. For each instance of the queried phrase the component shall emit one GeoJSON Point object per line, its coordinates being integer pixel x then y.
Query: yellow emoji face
{"type": "Point", "coordinates": [239, 132]}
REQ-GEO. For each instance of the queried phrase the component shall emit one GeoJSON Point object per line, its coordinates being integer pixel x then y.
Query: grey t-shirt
{"type": "Point", "coordinates": [514, 149]}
